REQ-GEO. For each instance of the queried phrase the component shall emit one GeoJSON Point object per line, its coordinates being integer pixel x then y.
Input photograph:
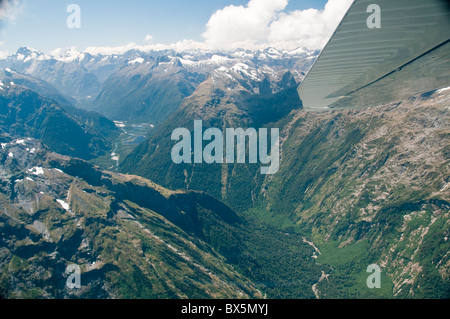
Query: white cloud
{"type": "Point", "coordinates": [4, 54]}
{"type": "Point", "coordinates": [111, 50]}
{"type": "Point", "coordinates": [186, 45]}
{"type": "Point", "coordinates": [263, 23]}
{"type": "Point", "coordinates": [9, 10]}
{"type": "Point", "coordinates": [247, 26]}
{"type": "Point", "coordinates": [148, 38]}
{"type": "Point", "coordinates": [307, 28]}
{"type": "Point", "coordinates": [183, 45]}
{"type": "Point", "coordinates": [258, 25]}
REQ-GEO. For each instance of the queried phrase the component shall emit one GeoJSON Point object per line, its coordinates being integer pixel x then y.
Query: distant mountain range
{"type": "Point", "coordinates": [150, 86]}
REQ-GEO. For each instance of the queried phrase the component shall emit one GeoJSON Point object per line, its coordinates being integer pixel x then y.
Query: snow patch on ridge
{"type": "Point", "coordinates": [63, 204]}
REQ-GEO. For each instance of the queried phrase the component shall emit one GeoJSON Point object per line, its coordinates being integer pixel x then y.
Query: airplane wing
{"type": "Point", "coordinates": [379, 56]}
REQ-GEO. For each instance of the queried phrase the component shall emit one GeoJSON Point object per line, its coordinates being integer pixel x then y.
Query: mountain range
{"type": "Point", "coordinates": [32, 108]}
{"type": "Point", "coordinates": [131, 237]}
{"type": "Point", "coordinates": [147, 87]}
{"type": "Point", "coordinates": [354, 188]}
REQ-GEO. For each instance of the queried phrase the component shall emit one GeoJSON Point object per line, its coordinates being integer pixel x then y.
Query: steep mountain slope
{"type": "Point", "coordinates": [24, 113]}
{"type": "Point", "coordinates": [146, 90]}
{"type": "Point", "coordinates": [227, 98]}
{"type": "Point", "coordinates": [131, 238]}
{"type": "Point", "coordinates": [67, 74]}
{"type": "Point", "coordinates": [374, 183]}
{"type": "Point", "coordinates": [363, 187]}
{"type": "Point", "coordinates": [39, 86]}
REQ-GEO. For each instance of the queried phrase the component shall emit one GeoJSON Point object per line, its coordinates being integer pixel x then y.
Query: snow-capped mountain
{"type": "Point", "coordinates": [149, 86]}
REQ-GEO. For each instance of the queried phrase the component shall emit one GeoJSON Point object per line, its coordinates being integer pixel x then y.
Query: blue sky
{"type": "Point", "coordinates": [41, 24]}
